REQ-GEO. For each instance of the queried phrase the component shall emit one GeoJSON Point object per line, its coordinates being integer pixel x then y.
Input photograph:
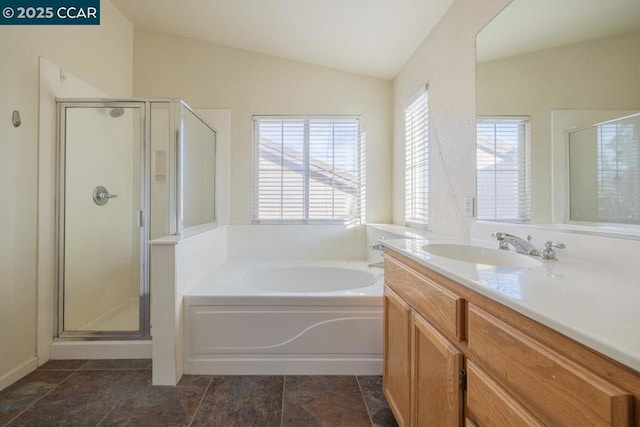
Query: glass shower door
{"type": "Point", "coordinates": [101, 268]}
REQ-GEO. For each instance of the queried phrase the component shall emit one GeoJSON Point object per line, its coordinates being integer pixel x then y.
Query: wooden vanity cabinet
{"type": "Point", "coordinates": [421, 369]}
{"type": "Point", "coordinates": [453, 357]}
{"type": "Point", "coordinates": [422, 380]}
{"type": "Point", "coordinates": [396, 375]}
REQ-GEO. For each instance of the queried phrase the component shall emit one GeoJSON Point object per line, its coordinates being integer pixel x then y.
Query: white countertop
{"type": "Point", "coordinates": [597, 307]}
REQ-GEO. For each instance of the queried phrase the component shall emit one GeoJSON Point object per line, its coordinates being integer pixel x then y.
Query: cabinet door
{"type": "Point", "coordinates": [396, 381]}
{"type": "Point", "coordinates": [436, 393]}
{"type": "Point", "coordinates": [488, 404]}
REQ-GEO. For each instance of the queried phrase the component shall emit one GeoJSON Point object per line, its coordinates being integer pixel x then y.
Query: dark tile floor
{"type": "Point", "coordinates": [119, 393]}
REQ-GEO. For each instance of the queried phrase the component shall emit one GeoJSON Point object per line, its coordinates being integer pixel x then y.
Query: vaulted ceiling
{"type": "Point", "coordinates": [370, 37]}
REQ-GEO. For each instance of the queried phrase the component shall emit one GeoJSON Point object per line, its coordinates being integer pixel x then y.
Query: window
{"type": "Point", "coordinates": [416, 128]}
{"type": "Point", "coordinates": [503, 168]}
{"type": "Point", "coordinates": [307, 169]}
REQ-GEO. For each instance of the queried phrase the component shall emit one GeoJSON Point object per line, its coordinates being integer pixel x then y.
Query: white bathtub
{"type": "Point", "coordinates": [293, 317]}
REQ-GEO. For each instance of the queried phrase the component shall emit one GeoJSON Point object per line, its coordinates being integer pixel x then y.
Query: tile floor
{"type": "Point", "coordinates": [119, 393]}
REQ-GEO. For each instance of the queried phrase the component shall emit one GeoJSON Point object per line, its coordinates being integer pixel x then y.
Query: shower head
{"type": "Point", "coordinates": [116, 112]}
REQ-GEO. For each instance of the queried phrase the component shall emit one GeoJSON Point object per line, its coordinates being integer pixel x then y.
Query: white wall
{"type": "Point", "coordinates": [446, 61]}
{"type": "Point", "coordinates": [593, 75]}
{"type": "Point", "coordinates": [299, 242]}
{"type": "Point", "coordinates": [73, 48]}
{"type": "Point", "coordinates": [212, 76]}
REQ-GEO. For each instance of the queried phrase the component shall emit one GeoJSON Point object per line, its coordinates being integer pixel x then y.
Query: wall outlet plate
{"type": "Point", "coordinates": [469, 207]}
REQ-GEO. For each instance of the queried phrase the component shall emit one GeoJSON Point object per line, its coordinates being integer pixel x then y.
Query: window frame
{"type": "Point", "coordinates": [358, 151]}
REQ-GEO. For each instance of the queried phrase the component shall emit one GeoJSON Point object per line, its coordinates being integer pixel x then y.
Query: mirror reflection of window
{"type": "Point", "coordinates": [604, 166]}
{"type": "Point", "coordinates": [503, 168]}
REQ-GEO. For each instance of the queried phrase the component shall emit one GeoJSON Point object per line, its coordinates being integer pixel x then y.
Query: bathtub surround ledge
{"type": "Point", "coordinates": [177, 265]}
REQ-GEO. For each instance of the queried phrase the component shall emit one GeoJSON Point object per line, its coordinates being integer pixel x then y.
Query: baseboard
{"type": "Point", "coordinates": [16, 373]}
{"type": "Point", "coordinates": [100, 350]}
{"type": "Point", "coordinates": [284, 366]}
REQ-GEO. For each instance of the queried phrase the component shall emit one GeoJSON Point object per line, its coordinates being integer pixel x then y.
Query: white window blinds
{"type": "Point", "coordinates": [416, 127]}
{"type": "Point", "coordinates": [618, 171]}
{"type": "Point", "coordinates": [306, 170]}
{"type": "Point", "coordinates": [503, 168]}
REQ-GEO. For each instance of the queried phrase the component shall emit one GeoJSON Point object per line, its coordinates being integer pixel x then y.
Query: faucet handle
{"type": "Point", "coordinates": [500, 236]}
{"type": "Point", "coordinates": [548, 252]}
{"type": "Point", "coordinates": [549, 244]}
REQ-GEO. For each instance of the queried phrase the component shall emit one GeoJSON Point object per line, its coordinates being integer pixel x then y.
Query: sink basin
{"type": "Point", "coordinates": [480, 255]}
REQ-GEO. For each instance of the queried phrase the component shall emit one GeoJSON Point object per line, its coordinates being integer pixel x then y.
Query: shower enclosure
{"type": "Point", "coordinates": [129, 171]}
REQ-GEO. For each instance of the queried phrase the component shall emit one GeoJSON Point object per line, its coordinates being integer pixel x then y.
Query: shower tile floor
{"type": "Point", "coordinates": [119, 392]}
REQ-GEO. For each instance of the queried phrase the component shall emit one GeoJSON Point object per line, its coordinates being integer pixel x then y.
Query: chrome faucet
{"type": "Point", "coordinates": [521, 245]}
{"type": "Point", "coordinates": [378, 246]}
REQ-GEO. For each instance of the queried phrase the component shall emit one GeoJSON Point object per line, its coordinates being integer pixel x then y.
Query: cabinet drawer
{"type": "Point", "coordinates": [443, 308]}
{"type": "Point", "coordinates": [489, 405]}
{"type": "Point", "coordinates": [556, 390]}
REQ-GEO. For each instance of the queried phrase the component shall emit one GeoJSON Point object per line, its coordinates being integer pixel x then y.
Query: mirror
{"type": "Point", "coordinates": [567, 66]}
{"type": "Point", "coordinates": [198, 171]}
{"type": "Point", "coordinates": [603, 172]}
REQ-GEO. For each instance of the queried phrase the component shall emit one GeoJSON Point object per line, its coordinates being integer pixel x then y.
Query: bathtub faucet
{"type": "Point", "coordinates": [378, 246]}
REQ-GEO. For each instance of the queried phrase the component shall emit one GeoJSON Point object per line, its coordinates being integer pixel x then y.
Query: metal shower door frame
{"type": "Point", "coordinates": [143, 331]}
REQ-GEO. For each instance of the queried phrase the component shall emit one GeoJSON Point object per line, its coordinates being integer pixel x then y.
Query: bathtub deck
{"type": "Point", "coordinates": [221, 288]}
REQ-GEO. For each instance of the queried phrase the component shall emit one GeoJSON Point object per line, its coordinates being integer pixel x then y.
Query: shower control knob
{"type": "Point", "coordinates": [101, 195]}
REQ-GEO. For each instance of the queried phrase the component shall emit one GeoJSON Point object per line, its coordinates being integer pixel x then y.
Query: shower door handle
{"type": "Point", "coordinates": [101, 195]}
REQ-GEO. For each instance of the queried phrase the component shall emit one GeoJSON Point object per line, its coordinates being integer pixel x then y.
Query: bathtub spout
{"type": "Point", "coordinates": [377, 265]}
